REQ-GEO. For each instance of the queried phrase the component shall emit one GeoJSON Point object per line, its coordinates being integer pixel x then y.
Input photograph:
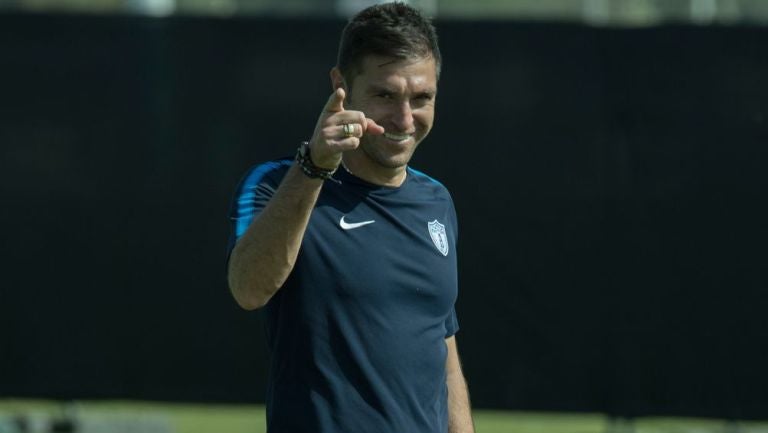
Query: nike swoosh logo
{"type": "Point", "coordinates": [349, 226]}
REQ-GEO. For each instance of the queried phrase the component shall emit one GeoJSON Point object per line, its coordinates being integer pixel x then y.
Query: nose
{"type": "Point", "coordinates": [403, 117]}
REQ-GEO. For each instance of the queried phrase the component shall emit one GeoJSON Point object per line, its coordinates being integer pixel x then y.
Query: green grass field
{"type": "Point", "coordinates": [189, 418]}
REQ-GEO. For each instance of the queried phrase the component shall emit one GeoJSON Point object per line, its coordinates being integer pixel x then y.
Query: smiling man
{"type": "Point", "coordinates": [352, 253]}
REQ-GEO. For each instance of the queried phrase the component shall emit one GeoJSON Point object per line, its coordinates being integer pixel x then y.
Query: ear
{"type": "Point", "coordinates": [337, 80]}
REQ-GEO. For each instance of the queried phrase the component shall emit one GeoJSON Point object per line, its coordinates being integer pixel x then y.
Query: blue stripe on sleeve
{"type": "Point", "coordinates": [244, 211]}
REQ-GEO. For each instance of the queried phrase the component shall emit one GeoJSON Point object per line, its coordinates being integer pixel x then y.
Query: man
{"type": "Point", "coordinates": [352, 253]}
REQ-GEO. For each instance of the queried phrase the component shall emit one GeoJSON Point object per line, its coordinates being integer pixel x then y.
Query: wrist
{"type": "Point", "coordinates": [307, 165]}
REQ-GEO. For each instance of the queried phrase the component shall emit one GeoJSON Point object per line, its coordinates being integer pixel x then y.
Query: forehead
{"type": "Point", "coordinates": [416, 73]}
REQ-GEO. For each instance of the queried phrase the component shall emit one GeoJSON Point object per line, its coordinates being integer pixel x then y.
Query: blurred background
{"type": "Point", "coordinates": [607, 159]}
{"type": "Point", "coordinates": [612, 12]}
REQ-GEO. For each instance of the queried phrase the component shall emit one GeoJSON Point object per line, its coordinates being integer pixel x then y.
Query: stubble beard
{"type": "Point", "coordinates": [379, 156]}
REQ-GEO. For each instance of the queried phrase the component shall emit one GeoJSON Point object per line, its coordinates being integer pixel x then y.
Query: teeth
{"type": "Point", "coordinates": [398, 137]}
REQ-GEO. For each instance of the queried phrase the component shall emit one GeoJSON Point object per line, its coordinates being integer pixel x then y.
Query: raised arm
{"type": "Point", "coordinates": [265, 254]}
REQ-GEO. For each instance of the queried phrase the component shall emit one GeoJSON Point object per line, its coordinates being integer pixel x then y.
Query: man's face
{"type": "Point", "coordinates": [399, 95]}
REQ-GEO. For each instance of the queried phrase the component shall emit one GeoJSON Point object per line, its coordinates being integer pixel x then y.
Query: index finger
{"type": "Point", "coordinates": [335, 103]}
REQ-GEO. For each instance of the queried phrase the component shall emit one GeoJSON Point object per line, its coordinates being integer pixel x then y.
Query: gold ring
{"type": "Point", "coordinates": [348, 129]}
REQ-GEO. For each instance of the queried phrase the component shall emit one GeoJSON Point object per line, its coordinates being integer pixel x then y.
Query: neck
{"type": "Point", "coordinates": [383, 176]}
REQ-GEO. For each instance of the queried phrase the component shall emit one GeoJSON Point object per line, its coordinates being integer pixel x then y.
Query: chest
{"type": "Point", "coordinates": [383, 250]}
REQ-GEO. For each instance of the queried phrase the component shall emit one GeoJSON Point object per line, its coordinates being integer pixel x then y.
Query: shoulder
{"type": "Point", "coordinates": [262, 180]}
{"type": "Point", "coordinates": [270, 171]}
{"type": "Point", "coordinates": [428, 184]}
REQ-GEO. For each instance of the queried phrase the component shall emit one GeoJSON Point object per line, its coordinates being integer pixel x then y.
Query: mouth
{"type": "Point", "coordinates": [397, 137]}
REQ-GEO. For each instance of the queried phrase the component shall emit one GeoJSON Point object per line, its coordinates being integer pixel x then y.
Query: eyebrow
{"type": "Point", "coordinates": [378, 88]}
{"type": "Point", "coordinates": [375, 88]}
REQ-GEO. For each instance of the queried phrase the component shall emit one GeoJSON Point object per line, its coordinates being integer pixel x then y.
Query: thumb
{"type": "Point", "coordinates": [373, 128]}
{"type": "Point", "coordinates": [335, 103]}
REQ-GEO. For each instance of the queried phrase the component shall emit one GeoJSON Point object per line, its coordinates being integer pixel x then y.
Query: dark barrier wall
{"type": "Point", "coordinates": [611, 186]}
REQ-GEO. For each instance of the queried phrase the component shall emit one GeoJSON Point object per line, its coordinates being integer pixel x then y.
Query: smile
{"type": "Point", "coordinates": [397, 137]}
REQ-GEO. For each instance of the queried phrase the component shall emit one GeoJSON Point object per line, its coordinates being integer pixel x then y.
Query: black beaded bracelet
{"type": "Point", "coordinates": [308, 167]}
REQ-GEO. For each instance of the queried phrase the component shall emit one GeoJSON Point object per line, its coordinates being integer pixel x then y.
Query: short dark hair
{"type": "Point", "coordinates": [391, 30]}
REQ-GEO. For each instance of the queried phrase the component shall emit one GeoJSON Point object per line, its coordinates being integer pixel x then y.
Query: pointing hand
{"type": "Point", "coordinates": [339, 130]}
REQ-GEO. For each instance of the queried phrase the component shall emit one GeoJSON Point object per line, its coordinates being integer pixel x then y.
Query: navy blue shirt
{"type": "Point", "coordinates": [357, 332]}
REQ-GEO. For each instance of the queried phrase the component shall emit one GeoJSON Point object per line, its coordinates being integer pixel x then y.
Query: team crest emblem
{"type": "Point", "coordinates": [437, 233]}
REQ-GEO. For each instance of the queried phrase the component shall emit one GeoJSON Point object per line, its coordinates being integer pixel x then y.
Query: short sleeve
{"type": "Point", "coordinates": [451, 324]}
{"type": "Point", "coordinates": [253, 193]}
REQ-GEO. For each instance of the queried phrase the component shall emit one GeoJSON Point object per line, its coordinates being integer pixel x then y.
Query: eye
{"type": "Point", "coordinates": [384, 95]}
{"type": "Point", "coordinates": [423, 99]}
